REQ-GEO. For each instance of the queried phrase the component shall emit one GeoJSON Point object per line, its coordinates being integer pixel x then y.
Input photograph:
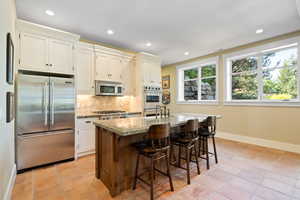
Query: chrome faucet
{"type": "Point", "coordinates": [164, 112]}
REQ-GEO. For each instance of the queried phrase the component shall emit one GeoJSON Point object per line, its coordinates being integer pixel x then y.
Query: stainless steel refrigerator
{"type": "Point", "coordinates": [45, 119]}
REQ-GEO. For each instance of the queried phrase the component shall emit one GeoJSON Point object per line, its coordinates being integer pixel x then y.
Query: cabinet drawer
{"type": "Point", "coordinates": [85, 124]}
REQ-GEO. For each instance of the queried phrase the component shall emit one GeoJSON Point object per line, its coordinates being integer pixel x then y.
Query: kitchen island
{"type": "Point", "coordinates": [115, 156]}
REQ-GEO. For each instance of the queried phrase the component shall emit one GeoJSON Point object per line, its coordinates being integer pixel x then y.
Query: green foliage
{"type": "Point", "coordinates": [209, 70]}
{"type": "Point", "coordinates": [190, 74]}
{"type": "Point", "coordinates": [280, 84]}
{"type": "Point", "coordinates": [285, 85]}
{"type": "Point", "coordinates": [244, 87]}
{"type": "Point", "coordinates": [245, 64]}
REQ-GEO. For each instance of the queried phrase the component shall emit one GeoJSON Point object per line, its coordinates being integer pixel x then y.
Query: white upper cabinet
{"type": "Point", "coordinates": [45, 49]}
{"type": "Point", "coordinates": [108, 67]}
{"type": "Point", "coordinates": [155, 73]}
{"type": "Point", "coordinates": [33, 52]}
{"type": "Point", "coordinates": [128, 76]}
{"type": "Point", "coordinates": [102, 67]}
{"type": "Point", "coordinates": [61, 56]}
{"type": "Point", "coordinates": [115, 68]}
{"type": "Point", "coordinates": [85, 69]}
{"type": "Point", "coordinates": [150, 68]}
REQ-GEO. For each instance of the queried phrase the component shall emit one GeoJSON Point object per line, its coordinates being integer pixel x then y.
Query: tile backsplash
{"type": "Point", "coordinates": [93, 103]}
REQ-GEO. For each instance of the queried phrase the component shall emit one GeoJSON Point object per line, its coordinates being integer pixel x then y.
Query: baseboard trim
{"type": "Point", "coordinates": [260, 142]}
{"type": "Point", "coordinates": [11, 183]}
{"type": "Point", "coordinates": [85, 153]}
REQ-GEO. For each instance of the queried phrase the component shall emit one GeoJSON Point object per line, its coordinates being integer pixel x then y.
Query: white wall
{"type": "Point", "coordinates": [7, 155]}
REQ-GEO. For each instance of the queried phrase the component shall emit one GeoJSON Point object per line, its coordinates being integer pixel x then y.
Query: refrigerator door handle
{"type": "Point", "coordinates": [52, 102]}
{"type": "Point", "coordinates": [45, 104]}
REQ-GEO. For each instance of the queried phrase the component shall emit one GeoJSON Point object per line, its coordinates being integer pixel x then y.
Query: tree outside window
{"type": "Point", "coordinates": [269, 75]}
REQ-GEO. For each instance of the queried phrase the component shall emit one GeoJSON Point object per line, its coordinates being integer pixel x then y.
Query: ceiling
{"type": "Point", "coordinates": [172, 26]}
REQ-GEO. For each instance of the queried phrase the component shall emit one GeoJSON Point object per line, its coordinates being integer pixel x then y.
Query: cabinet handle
{"type": "Point", "coordinates": [88, 122]}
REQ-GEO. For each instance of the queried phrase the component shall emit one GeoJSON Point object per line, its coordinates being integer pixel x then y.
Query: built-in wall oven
{"type": "Point", "coordinates": [152, 99]}
{"type": "Point", "coordinates": [108, 88]}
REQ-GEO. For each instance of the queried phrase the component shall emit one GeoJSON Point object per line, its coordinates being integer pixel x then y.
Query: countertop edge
{"type": "Point", "coordinates": [123, 133]}
{"type": "Point", "coordinates": [82, 116]}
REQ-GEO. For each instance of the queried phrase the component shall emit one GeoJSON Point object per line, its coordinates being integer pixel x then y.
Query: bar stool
{"type": "Point", "coordinates": [207, 130]}
{"type": "Point", "coordinates": [187, 140]}
{"type": "Point", "coordinates": [155, 148]}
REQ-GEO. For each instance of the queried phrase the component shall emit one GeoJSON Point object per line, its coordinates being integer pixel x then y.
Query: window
{"type": "Point", "coordinates": [198, 82]}
{"type": "Point", "coordinates": [267, 75]}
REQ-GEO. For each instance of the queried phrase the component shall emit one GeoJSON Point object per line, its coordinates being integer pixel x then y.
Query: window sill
{"type": "Point", "coordinates": [263, 103]}
{"type": "Point", "coordinates": [199, 102]}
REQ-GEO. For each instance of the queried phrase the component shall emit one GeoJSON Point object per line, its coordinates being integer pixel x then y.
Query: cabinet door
{"type": "Point", "coordinates": [156, 74]}
{"type": "Point", "coordinates": [86, 135]}
{"type": "Point", "coordinates": [33, 52]}
{"type": "Point", "coordinates": [61, 56]}
{"type": "Point", "coordinates": [147, 71]}
{"type": "Point", "coordinates": [101, 67]}
{"type": "Point", "coordinates": [92, 130]}
{"type": "Point", "coordinates": [85, 66]}
{"type": "Point", "coordinates": [83, 141]}
{"type": "Point", "coordinates": [127, 77]}
{"type": "Point", "coordinates": [115, 68]}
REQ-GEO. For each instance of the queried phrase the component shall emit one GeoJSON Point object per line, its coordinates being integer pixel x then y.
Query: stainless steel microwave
{"type": "Point", "coordinates": [108, 88]}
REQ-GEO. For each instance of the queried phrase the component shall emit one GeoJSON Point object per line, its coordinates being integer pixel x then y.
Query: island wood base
{"type": "Point", "coordinates": [115, 155]}
{"type": "Point", "coordinates": [116, 160]}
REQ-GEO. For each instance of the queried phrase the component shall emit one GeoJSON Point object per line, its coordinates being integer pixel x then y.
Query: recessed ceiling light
{"type": "Point", "coordinates": [259, 31]}
{"type": "Point", "coordinates": [50, 12]}
{"type": "Point", "coordinates": [148, 44]}
{"type": "Point", "coordinates": [110, 32]}
{"type": "Point", "coordinates": [186, 53]}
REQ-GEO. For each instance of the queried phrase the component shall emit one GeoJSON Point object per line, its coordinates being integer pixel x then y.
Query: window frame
{"type": "Point", "coordinates": [180, 81]}
{"type": "Point", "coordinates": [258, 52]}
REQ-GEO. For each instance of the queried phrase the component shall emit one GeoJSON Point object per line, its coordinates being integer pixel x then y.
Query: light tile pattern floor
{"type": "Point", "coordinates": [244, 172]}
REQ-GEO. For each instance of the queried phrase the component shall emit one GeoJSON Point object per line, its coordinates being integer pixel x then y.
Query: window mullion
{"type": "Point", "coordinates": [260, 77]}
{"type": "Point", "coordinates": [298, 72]}
{"type": "Point", "coordinates": [229, 83]}
{"type": "Point", "coordinates": [199, 84]}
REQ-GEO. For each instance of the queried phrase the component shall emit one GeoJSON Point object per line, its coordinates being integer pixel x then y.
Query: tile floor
{"type": "Point", "coordinates": [244, 172]}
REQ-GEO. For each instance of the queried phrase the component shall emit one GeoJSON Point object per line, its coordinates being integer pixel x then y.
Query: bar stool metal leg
{"type": "Point", "coordinates": [136, 171]}
{"type": "Point", "coordinates": [179, 156]}
{"type": "Point", "coordinates": [151, 179]}
{"type": "Point", "coordinates": [188, 159]}
{"type": "Point", "coordinates": [168, 172]}
{"type": "Point", "coordinates": [215, 151]}
{"type": "Point", "coordinates": [197, 162]}
{"type": "Point", "coordinates": [207, 152]}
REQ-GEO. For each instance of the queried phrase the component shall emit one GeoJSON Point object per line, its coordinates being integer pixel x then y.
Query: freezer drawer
{"type": "Point", "coordinates": [39, 149]}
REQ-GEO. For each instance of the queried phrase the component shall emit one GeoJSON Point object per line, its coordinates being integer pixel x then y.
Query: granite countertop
{"type": "Point", "coordinates": [87, 114]}
{"type": "Point", "coordinates": [136, 125]}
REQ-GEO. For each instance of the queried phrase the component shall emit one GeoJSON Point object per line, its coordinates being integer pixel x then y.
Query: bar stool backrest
{"type": "Point", "coordinates": [159, 136]}
{"type": "Point", "coordinates": [191, 128]}
{"type": "Point", "coordinates": [211, 124]}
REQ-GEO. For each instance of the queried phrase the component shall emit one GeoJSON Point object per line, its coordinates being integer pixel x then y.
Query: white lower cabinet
{"type": "Point", "coordinates": [85, 136]}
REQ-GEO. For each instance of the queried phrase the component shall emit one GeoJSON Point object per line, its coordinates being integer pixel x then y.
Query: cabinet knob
{"type": "Point", "coordinates": [47, 64]}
